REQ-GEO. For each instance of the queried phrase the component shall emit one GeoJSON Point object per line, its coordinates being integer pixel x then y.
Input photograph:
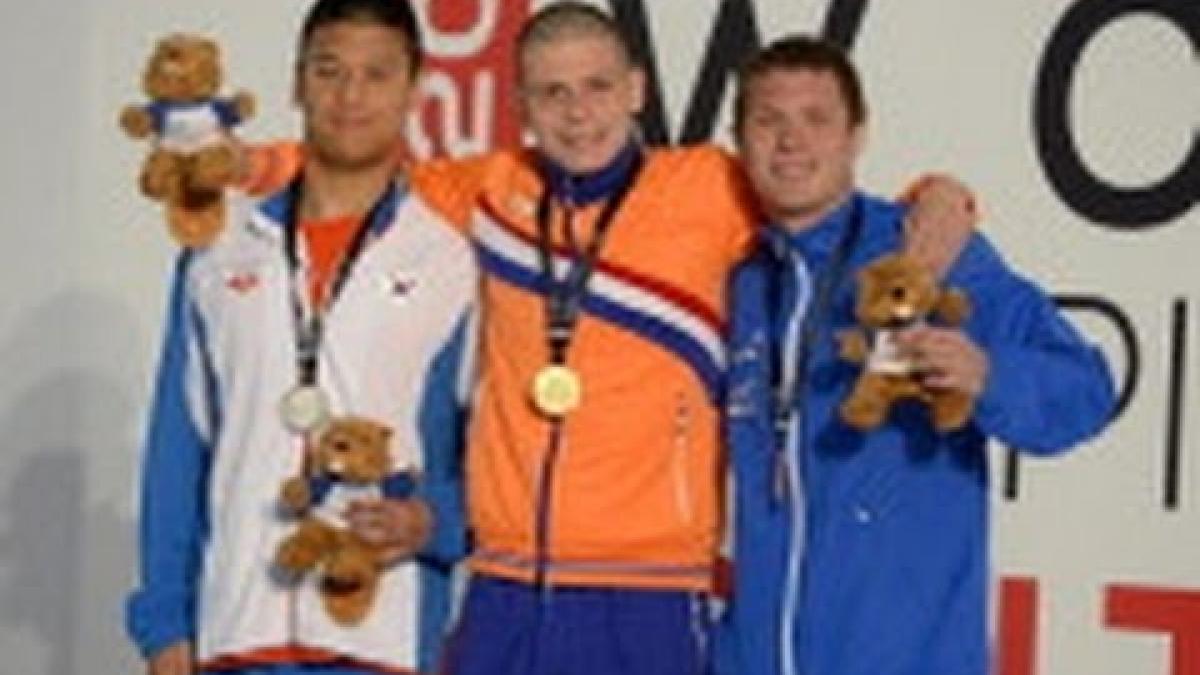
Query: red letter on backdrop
{"type": "Point", "coordinates": [470, 50]}
{"type": "Point", "coordinates": [1159, 610]}
{"type": "Point", "coordinates": [1018, 626]}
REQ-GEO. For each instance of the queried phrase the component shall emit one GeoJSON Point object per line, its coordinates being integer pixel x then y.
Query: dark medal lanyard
{"type": "Point", "coordinates": [563, 301]}
{"type": "Point", "coordinates": [564, 297]}
{"type": "Point", "coordinates": [309, 327]}
{"type": "Point", "coordinates": [789, 400]}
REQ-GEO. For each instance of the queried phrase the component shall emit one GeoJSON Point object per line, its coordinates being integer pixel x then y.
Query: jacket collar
{"type": "Point", "coordinates": [585, 189]}
{"type": "Point", "coordinates": [818, 241]}
{"type": "Point", "coordinates": [276, 208]}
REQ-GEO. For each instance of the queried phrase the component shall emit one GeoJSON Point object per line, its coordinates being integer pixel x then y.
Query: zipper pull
{"type": "Point", "coordinates": [779, 477]}
{"type": "Point", "coordinates": [780, 489]}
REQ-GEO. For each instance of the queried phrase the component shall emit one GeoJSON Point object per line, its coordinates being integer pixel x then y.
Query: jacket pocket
{"type": "Point", "coordinates": [682, 431]}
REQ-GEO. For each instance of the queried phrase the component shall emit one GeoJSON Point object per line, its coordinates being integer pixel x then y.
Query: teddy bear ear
{"type": "Point", "coordinates": [208, 46]}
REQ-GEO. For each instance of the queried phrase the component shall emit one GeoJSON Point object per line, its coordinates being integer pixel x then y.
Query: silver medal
{"type": "Point", "coordinates": [304, 408]}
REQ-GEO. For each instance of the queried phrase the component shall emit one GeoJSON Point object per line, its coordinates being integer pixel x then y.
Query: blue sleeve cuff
{"type": "Point", "coordinates": [1002, 378]}
{"type": "Point", "coordinates": [227, 113]}
{"type": "Point", "coordinates": [158, 114]}
{"type": "Point", "coordinates": [156, 621]}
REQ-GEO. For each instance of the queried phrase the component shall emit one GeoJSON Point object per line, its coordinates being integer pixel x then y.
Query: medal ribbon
{"type": "Point", "coordinates": [563, 300]}
{"type": "Point", "coordinates": [791, 387]}
{"type": "Point", "coordinates": [309, 322]}
{"type": "Point", "coordinates": [564, 296]}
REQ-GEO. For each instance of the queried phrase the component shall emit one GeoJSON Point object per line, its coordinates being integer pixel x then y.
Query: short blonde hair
{"type": "Point", "coordinates": [570, 19]}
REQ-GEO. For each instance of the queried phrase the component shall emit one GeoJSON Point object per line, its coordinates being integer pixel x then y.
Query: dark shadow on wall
{"type": "Point", "coordinates": [66, 549]}
{"type": "Point", "coordinates": [42, 551]}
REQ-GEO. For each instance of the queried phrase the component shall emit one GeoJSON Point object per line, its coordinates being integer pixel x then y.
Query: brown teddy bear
{"type": "Point", "coordinates": [192, 160]}
{"type": "Point", "coordinates": [897, 292]}
{"type": "Point", "coordinates": [350, 461]}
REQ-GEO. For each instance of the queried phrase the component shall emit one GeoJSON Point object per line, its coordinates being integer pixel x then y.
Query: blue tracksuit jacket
{"type": "Point", "coordinates": [866, 554]}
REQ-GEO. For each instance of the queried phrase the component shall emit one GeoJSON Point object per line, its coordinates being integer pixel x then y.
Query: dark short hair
{"type": "Point", "coordinates": [803, 52]}
{"type": "Point", "coordinates": [395, 14]}
{"type": "Point", "coordinates": [571, 18]}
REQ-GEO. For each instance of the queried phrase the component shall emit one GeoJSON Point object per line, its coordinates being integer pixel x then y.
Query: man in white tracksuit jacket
{"type": "Point", "coordinates": [393, 289]}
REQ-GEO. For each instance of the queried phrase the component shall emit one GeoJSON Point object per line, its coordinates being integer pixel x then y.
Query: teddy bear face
{"type": "Point", "coordinates": [895, 291]}
{"type": "Point", "coordinates": [183, 68]}
{"type": "Point", "coordinates": [355, 450]}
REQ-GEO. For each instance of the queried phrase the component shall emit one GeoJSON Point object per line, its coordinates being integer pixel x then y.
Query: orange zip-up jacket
{"type": "Point", "coordinates": [633, 495]}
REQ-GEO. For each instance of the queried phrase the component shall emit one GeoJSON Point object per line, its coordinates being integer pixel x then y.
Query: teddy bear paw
{"type": "Point", "coordinates": [951, 412]}
{"type": "Point", "coordinates": [212, 169]}
{"type": "Point", "coordinates": [862, 415]}
{"type": "Point", "coordinates": [296, 557]}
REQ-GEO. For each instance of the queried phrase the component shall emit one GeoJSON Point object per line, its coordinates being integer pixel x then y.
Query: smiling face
{"type": "Point", "coordinates": [579, 95]}
{"type": "Point", "coordinates": [798, 143]}
{"type": "Point", "coordinates": [355, 83]}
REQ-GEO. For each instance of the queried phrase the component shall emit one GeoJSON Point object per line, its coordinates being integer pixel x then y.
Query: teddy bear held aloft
{"type": "Point", "coordinates": [191, 161]}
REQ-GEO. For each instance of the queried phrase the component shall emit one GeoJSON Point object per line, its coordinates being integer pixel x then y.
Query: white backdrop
{"type": "Point", "coordinates": [952, 87]}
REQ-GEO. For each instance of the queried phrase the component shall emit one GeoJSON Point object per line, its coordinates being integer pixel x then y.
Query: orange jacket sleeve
{"type": "Point", "coordinates": [450, 186]}
{"type": "Point", "coordinates": [269, 167]}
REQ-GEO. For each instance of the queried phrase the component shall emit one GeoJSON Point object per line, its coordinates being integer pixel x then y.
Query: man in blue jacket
{"type": "Point", "coordinates": [866, 553]}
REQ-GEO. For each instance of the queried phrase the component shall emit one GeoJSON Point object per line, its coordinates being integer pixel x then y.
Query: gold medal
{"type": "Point", "coordinates": [557, 390]}
{"type": "Point", "coordinates": [304, 408]}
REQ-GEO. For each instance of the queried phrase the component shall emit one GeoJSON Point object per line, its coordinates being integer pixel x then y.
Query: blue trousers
{"type": "Point", "coordinates": [510, 628]}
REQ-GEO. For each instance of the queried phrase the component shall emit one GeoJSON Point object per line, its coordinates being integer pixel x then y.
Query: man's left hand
{"type": "Point", "coordinates": [940, 220]}
{"type": "Point", "coordinates": [399, 527]}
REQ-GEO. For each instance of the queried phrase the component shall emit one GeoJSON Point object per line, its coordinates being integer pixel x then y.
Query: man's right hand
{"type": "Point", "coordinates": [173, 660]}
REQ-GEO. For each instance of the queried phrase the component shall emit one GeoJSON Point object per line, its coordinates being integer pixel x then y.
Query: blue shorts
{"type": "Point", "coordinates": [511, 628]}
